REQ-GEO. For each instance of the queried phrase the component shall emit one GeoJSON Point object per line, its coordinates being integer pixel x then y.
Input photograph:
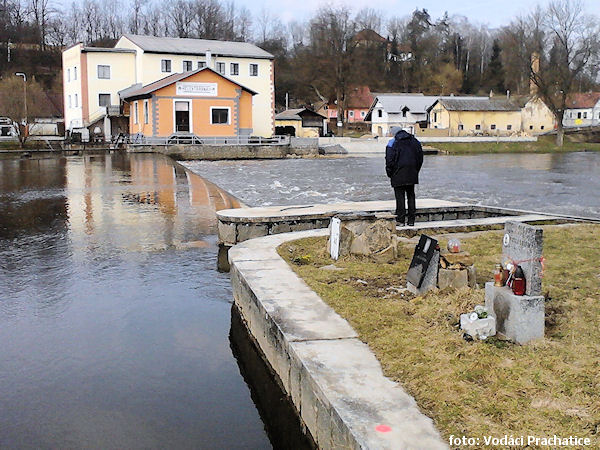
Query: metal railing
{"type": "Point", "coordinates": [192, 139]}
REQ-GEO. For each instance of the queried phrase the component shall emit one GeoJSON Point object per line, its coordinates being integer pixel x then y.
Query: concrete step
{"type": "Point", "coordinates": [488, 221]}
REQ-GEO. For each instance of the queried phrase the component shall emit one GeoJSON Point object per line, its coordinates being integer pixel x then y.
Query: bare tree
{"type": "Point", "coordinates": [181, 15]}
{"type": "Point", "coordinates": [136, 16]}
{"type": "Point", "coordinates": [41, 12]}
{"type": "Point", "coordinates": [559, 45]}
{"type": "Point", "coordinates": [368, 18]}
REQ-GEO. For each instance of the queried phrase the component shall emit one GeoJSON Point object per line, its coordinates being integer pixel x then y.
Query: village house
{"type": "Point", "coordinates": [201, 103]}
{"type": "Point", "coordinates": [301, 122]}
{"type": "Point", "coordinates": [93, 77]}
{"type": "Point", "coordinates": [582, 110]}
{"type": "Point", "coordinates": [536, 117]}
{"type": "Point", "coordinates": [475, 116]}
{"type": "Point", "coordinates": [358, 101]}
{"type": "Point", "coordinates": [389, 111]}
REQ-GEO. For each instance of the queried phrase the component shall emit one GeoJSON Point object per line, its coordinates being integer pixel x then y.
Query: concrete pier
{"type": "Point", "coordinates": [333, 379]}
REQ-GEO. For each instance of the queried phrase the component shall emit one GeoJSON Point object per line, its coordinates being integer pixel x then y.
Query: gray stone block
{"type": "Point", "coordinates": [247, 231]}
{"type": "Point", "coordinates": [472, 276]}
{"type": "Point", "coordinates": [280, 227]}
{"type": "Point", "coordinates": [431, 277]}
{"type": "Point", "coordinates": [448, 278]}
{"type": "Point", "coordinates": [302, 226]}
{"type": "Point", "coordinates": [518, 317]}
{"type": "Point", "coordinates": [450, 216]}
{"type": "Point", "coordinates": [227, 233]}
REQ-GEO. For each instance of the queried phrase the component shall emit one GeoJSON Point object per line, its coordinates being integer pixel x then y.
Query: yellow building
{"type": "Point", "coordinates": [201, 102]}
{"type": "Point", "coordinates": [93, 76]}
{"type": "Point", "coordinates": [537, 117]}
{"type": "Point", "coordinates": [301, 122]}
{"type": "Point", "coordinates": [466, 116]}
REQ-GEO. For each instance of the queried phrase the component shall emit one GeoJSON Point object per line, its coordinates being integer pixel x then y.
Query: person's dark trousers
{"type": "Point", "coordinates": [400, 192]}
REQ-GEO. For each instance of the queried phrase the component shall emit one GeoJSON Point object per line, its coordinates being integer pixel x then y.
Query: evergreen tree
{"type": "Point", "coordinates": [494, 75]}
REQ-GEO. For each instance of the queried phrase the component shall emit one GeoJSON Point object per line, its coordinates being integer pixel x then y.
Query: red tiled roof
{"type": "Point", "coordinates": [369, 35]}
{"type": "Point", "coordinates": [581, 100]}
{"type": "Point", "coordinates": [359, 97]}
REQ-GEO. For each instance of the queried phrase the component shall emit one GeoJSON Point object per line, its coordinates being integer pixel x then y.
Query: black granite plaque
{"type": "Point", "coordinates": [421, 259]}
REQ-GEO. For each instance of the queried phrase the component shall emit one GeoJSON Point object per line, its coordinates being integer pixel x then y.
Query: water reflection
{"type": "Point", "coordinates": [113, 322]}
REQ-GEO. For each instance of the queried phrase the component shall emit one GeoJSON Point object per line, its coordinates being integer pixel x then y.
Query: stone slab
{"type": "Point", "coordinates": [518, 317]}
{"type": "Point", "coordinates": [431, 277]}
{"type": "Point", "coordinates": [487, 221]}
{"type": "Point", "coordinates": [317, 211]}
{"type": "Point", "coordinates": [524, 244]}
{"type": "Point", "coordinates": [452, 278]}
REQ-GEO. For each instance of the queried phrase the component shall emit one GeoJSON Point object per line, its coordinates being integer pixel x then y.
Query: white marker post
{"type": "Point", "coordinates": [334, 238]}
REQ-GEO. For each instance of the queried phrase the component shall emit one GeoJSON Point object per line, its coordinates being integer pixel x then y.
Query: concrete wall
{"type": "Point", "coordinates": [213, 152]}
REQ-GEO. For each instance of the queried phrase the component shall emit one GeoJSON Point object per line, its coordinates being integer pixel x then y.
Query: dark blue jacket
{"type": "Point", "coordinates": [403, 159]}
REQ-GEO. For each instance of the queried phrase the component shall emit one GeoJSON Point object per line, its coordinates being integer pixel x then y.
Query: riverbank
{"type": "Point", "coordinates": [544, 144]}
{"type": "Point", "coordinates": [479, 388]}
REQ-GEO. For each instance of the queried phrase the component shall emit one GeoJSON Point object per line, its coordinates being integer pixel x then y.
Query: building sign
{"type": "Point", "coordinates": [197, 89]}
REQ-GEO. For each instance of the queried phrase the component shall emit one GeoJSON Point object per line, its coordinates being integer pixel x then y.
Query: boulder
{"type": "Point", "coordinates": [366, 237]}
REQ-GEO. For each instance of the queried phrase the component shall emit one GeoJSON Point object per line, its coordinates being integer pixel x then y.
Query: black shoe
{"type": "Point", "coordinates": [411, 224]}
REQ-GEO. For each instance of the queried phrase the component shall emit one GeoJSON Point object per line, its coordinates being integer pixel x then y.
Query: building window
{"type": "Point", "coordinates": [201, 64]}
{"type": "Point", "coordinates": [351, 113]}
{"type": "Point", "coordinates": [435, 117]}
{"type": "Point", "coordinates": [253, 70]}
{"type": "Point", "coordinates": [103, 72]}
{"type": "Point", "coordinates": [461, 127]}
{"type": "Point", "coordinates": [146, 111]}
{"type": "Point", "coordinates": [531, 127]}
{"type": "Point", "coordinates": [68, 74]}
{"type": "Point", "coordinates": [508, 127]}
{"type": "Point", "coordinates": [103, 100]}
{"type": "Point", "coordinates": [69, 101]}
{"type": "Point", "coordinates": [74, 73]}
{"type": "Point", "coordinates": [585, 115]}
{"type": "Point", "coordinates": [165, 65]}
{"type": "Point", "coordinates": [362, 114]}
{"type": "Point", "coordinates": [187, 66]}
{"type": "Point", "coordinates": [493, 126]}
{"type": "Point", "coordinates": [579, 115]}
{"type": "Point", "coordinates": [221, 68]}
{"type": "Point", "coordinates": [219, 116]}
{"type": "Point", "coordinates": [542, 127]}
{"type": "Point", "coordinates": [478, 127]}
{"type": "Point", "coordinates": [234, 69]}
{"type": "Point", "coordinates": [380, 113]}
{"type": "Point", "coordinates": [76, 101]}
{"type": "Point", "coordinates": [135, 113]}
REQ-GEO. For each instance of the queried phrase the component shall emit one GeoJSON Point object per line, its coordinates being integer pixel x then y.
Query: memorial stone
{"type": "Point", "coordinates": [523, 244]}
{"type": "Point", "coordinates": [423, 271]}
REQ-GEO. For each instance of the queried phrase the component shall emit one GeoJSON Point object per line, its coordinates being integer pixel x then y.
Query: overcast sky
{"type": "Point", "coordinates": [492, 12]}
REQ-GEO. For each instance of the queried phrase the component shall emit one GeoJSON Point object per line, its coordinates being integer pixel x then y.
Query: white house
{"type": "Point", "coordinates": [582, 110]}
{"type": "Point", "coordinates": [93, 77]}
{"type": "Point", "coordinates": [398, 110]}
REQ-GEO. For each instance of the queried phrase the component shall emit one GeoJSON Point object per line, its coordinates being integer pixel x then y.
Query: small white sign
{"type": "Point", "coordinates": [506, 240]}
{"type": "Point", "coordinates": [196, 89]}
{"type": "Point", "coordinates": [334, 238]}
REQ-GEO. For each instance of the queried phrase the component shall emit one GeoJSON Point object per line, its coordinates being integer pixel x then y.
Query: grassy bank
{"type": "Point", "coordinates": [545, 144]}
{"type": "Point", "coordinates": [478, 388]}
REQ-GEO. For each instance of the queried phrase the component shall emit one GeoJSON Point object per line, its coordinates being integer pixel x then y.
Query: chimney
{"type": "Point", "coordinates": [208, 59]}
{"type": "Point", "coordinates": [535, 68]}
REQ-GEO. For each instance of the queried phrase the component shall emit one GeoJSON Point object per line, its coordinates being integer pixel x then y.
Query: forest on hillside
{"type": "Point", "coordinates": [334, 49]}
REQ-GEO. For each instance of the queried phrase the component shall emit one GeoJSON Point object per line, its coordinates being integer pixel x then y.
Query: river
{"type": "Point", "coordinates": [559, 183]}
{"type": "Point", "coordinates": [114, 324]}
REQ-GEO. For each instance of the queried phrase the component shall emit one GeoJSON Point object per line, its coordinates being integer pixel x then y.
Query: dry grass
{"type": "Point", "coordinates": [478, 388]}
{"type": "Point", "coordinates": [544, 144]}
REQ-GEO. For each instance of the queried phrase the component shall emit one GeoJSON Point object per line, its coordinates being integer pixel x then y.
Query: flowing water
{"type": "Point", "coordinates": [114, 324]}
{"type": "Point", "coordinates": [566, 183]}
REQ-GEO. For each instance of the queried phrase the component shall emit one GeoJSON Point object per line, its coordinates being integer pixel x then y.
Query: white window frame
{"type": "Point", "coordinates": [351, 113]}
{"type": "Point", "coordinates": [68, 75]}
{"type": "Point", "coordinates": [136, 115]}
{"type": "Point", "coordinates": [237, 69]}
{"type": "Point", "coordinates": [362, 114]}
{"type": "Point", "coordinates": [380, 113]}
{"type": "Point", "coordinates": [183, 64]}
{"type": "Point", "coordinates": [98, 72]}
{"type": "Point", "coordinates": [170, 64]}
{"type": "Point", "coordinates": [76, 102]}
{"type": "Point", "coordinates": [478, 127]}
{"type": "Point", "coordinates": [109, 99]}
{"type": "Point", "coordinates": [75, 73]}
{"type": "Point", "coordinates": [228, 115]}
{"type": "Point", "coordinates": [493, 126]}
{"type": "Point", "coordinates": [69, 101]}
{"type": "Point", "coordinates": [461, 127]}
{"type": "Point", "coordinates": [191, 119]}
{"type": "Point", "coordinates": [201, 64]}
{"type": "Point", "coordinates": [509, 127]}
{"type": "Point", "coordinates": [146, 112]}
{"type": "Point", "coordinates": [250, 69]}
{"type": "Point", "coordinates": [221, 64]}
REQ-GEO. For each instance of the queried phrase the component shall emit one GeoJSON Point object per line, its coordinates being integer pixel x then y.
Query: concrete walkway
{"type": "Point", "coordinates": [334, 380]}
{"type": "Point", "coordinates": [484, 222]}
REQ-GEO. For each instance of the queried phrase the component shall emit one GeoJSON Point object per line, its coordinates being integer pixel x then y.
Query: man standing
{"type": "Point", "coordinates": [403, 161]}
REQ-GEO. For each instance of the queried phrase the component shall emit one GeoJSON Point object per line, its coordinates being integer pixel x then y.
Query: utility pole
{"type": "Point", "coordinates": [21, 74]}
{"type": "Point", "coordinates": [8, 51]}
{"type": "Point", "coordinates": [287, 101]}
